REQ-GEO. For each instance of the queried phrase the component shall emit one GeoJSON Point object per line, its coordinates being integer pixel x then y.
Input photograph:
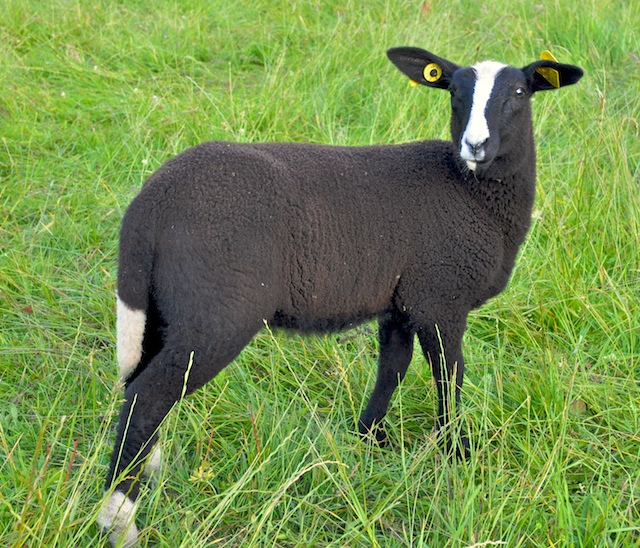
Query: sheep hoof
{"type": "Point", "coordinates": [458, 449]}
{"type": "Point", "coordinates": [372, 430]}
{"type": "Point", "coordinates": [116, 518]}
{"type": "Point", "coordinates": [153, 467]}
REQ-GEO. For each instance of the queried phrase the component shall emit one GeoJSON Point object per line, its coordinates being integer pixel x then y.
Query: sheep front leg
{"type": "Point", "coordinates": [443, 350]}
{"type": "Point", "coordinates": [396, 349]}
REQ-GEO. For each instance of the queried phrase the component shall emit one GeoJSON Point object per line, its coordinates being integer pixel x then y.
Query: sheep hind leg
{"type": "Point", "coordinates": [396, 349]}
{"type": "Point", "coordinates": [148, 399]}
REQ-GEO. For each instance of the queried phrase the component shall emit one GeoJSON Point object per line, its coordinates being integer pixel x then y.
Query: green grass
{"type": "Point", "coordinates": [96, 95]}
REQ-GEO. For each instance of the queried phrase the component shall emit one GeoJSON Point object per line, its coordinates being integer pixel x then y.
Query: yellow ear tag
{"type": "Point", "coordinates": [546, 55]}
{"type": "Point", "coordinates": [550, 75]}
{"type": "Point", "coordinates": [432, 72]}
{"type": "Point", "coordinates": [413, 83]}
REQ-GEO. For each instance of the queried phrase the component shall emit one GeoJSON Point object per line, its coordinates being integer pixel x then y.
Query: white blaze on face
{"type": "Point", "coordinates": [477, 131]}
{"type": "Point", "coordinates": [130, 332]}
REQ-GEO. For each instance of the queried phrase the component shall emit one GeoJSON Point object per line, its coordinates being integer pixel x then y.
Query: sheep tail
{"type": "Point", "coordinates": [135, 265]}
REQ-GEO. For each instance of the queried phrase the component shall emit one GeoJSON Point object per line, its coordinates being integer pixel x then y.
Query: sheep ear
{"type": "Point", "coordinates": [544, 75]}
{"type": "Point", "coordinates": [423, 67]}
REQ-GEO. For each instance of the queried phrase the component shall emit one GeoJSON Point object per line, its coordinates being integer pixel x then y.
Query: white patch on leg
{"type": "Point", "coordinates": [154, 463]}
{"type": "Point", "coordinates": [477, 130]}
{"type": "Point", "coordinates": [130, 328]}
{"type": "Point", "coordinates": [117, 518]}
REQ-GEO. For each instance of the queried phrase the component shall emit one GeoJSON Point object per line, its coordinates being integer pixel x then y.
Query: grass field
{"type": "Point", "coordinates": [94, 96]}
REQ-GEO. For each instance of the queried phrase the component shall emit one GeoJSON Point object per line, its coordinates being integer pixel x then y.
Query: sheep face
{"type": "Point", "coordinates": [491, 113]}
{"type": "Point", "coordinates": [490, 109]}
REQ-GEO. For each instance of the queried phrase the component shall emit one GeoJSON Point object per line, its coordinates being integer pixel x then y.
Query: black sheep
{"type": "Point", "coordinates": [320, 238]}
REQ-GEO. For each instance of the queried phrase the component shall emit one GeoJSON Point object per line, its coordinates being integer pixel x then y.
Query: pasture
{"type": "Point", "coordinates": [94, 96]}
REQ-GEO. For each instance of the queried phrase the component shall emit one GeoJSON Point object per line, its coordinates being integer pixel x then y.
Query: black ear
{"type": "Point", "coordinates": [544, 75]}
{"type": "Point", "coordinates": [423, 67]}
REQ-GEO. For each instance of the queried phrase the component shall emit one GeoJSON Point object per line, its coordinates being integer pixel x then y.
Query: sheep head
{"type": "Point", "coordinates": [490, 110]}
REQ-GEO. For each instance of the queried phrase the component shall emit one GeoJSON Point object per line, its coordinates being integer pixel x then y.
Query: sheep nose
{"type": "Point", "coordinates": [476, 148]}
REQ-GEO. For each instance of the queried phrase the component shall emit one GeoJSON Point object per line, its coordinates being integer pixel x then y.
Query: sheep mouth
{"type": "Point", "coordinates": [477, 165]}
{"type": "Point", "coordinates": [477, 162]}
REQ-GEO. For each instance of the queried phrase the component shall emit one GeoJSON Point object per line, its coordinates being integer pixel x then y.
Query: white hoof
{"type": "Point", "coordinates": [154, 463]}
{"type": "Point", "coordinates": [117, 518]}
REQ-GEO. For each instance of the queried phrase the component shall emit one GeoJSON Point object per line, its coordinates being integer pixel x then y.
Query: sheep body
{"type": "Point", "coordinates": [316, 237]}
{"type": "Point", "coordinates": [226, 236]}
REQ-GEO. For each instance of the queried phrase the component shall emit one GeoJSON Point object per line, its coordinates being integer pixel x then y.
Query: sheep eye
{"type": "Point", "coordinates": [520, 92]}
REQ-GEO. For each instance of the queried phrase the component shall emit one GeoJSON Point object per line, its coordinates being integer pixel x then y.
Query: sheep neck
{"type": "Point", "coordinates": [508, 194]}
